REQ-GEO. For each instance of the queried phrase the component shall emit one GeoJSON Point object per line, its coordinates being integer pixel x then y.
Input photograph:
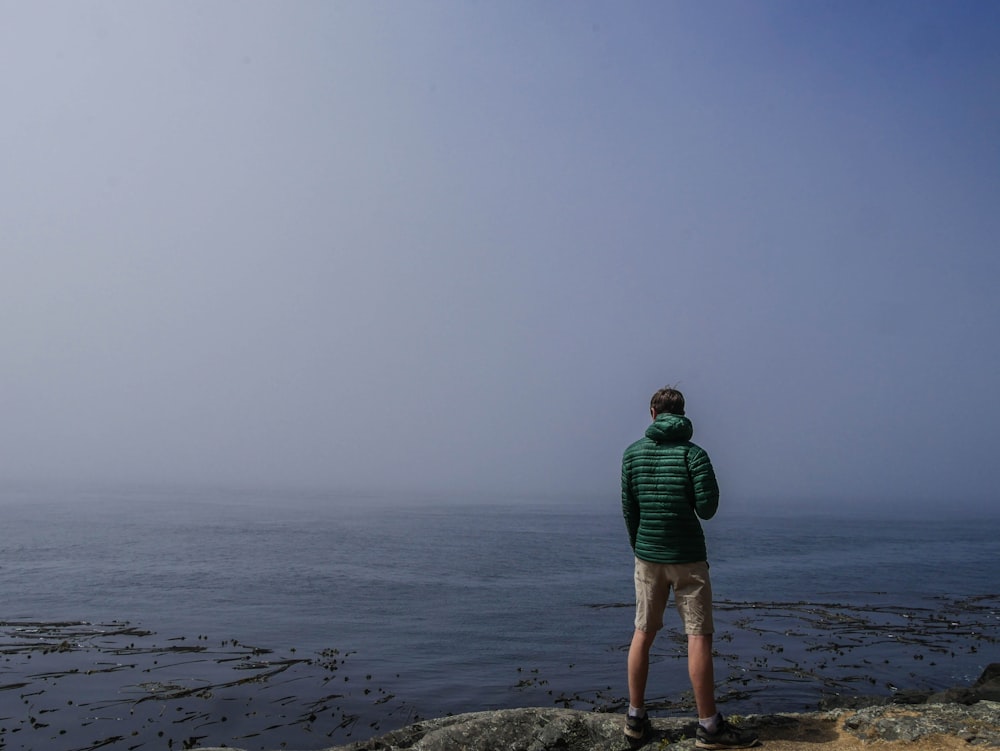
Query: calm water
{"type": "Point", "coordinates": [447, 608]}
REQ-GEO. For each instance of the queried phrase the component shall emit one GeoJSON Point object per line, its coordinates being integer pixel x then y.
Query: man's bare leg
{"type": "Point", "coordinates": [638, 666]}
{"type": "Point", "coordinates": [702, 673]}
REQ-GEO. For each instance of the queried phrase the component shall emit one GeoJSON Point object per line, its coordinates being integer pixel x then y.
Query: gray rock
{"type": "Point", "coordinates": [977, 723]}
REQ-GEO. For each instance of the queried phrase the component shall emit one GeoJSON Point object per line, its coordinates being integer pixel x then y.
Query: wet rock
{"type": "Point", "coordinates": [990, 675]}
{"type": "Point", "coordinates": [988, 685]}
{"type": "Point", "coordinates": [904, 697]}
{"type": "Point", "coordinates": [954, 696]}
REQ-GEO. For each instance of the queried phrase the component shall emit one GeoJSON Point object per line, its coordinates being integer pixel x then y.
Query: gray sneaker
{"type": "Point", "coordinates": [725, 736]}
{"type": "Point", "coordinates": [637, 728]}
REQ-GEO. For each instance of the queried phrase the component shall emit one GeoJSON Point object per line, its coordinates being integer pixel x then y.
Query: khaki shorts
{"type": "Point", "coordinates": [692, 595]}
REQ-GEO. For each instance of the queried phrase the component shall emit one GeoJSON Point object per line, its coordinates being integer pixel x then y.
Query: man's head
{"type": "Point", "coordinates": [667, 401]}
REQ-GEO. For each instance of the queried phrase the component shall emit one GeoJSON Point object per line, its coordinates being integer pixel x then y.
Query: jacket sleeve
{"type": "Point", "coordinates": [630, 505]}
{"type": "Point", "coordinates": [706, 487]}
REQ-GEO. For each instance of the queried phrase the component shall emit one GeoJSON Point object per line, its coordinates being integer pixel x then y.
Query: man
{"type": "Point", "coordinates": [668, 483]}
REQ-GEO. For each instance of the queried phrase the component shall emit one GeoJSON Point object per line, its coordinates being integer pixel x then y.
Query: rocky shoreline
{"type": "Point", "coordinates": [953, 719]}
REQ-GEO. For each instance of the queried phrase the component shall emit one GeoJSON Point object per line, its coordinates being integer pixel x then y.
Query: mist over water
{"type": "Point", "coordinates": [454, 250]}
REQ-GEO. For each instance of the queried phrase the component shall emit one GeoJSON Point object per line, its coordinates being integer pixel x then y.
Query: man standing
{"type": "Point", "coordinates": [668, 483]}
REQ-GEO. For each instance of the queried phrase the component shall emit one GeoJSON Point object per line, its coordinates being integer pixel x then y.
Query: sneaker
{"type": "Point", "coordinates": [725, 736]}
{"type": "Point", "coordinates": [637, 728]}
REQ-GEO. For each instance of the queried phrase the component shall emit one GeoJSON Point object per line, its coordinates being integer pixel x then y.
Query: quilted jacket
{"type": "Point", "coordinates": [668, 483]}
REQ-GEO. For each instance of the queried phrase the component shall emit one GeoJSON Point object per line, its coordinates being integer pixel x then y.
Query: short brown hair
{"type": "Point", "coordinates": [667, 401]}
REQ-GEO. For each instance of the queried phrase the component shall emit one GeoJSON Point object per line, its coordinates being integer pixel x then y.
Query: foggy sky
{"type": "Point", "coordinates": [456, 246]}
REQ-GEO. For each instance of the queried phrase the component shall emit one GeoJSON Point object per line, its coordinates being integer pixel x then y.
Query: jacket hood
{"type": "Point", "coordinates": [670, 429]}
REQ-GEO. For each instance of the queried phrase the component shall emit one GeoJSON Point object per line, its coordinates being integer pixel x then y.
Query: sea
{"type": "Point", "coordinates": [167, 618]}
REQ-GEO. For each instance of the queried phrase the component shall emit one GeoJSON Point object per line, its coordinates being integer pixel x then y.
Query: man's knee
{"type": "Point", "coordinates": [699, 641]}
{"type": "Point", "coordinates": [643, 639]}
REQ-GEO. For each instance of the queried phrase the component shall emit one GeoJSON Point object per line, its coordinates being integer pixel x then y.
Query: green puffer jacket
{"type": "Point", "coordinates": [667, 484]}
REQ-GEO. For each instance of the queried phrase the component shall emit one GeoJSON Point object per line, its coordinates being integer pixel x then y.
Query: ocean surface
{"type": "Point", "coordinates": [168, 618]}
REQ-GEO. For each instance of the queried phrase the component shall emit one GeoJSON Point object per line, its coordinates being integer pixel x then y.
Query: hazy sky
{"type": "Point", "coordinates": [457, 245]}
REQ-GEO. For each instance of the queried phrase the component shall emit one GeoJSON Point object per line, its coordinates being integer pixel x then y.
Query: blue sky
{"type": "Point", "coordinates": [456, 246]}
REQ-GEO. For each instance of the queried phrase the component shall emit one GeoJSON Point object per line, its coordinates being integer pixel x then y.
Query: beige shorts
{"type": "Point", "coordinates": [692, 595]}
